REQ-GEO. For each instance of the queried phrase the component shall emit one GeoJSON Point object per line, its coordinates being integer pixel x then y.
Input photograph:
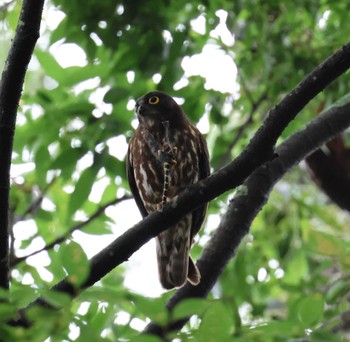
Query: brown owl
{"type": "Point", "coordinates": [166, 154]}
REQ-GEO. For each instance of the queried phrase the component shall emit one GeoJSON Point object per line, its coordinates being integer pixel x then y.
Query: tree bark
{"type": "Point", "coordinates": [11, 84]}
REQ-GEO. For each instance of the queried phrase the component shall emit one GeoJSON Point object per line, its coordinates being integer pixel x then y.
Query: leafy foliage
{"type": "Point", "coordinates": [290, 277]}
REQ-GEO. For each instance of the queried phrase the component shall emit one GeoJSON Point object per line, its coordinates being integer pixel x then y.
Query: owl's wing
{"type": "Point", "coordinates": [204, 171]}
{"type": "Point", "coordinates": [132, 184]}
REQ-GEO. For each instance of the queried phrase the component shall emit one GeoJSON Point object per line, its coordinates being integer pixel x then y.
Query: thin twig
{"type": "Point", "coordinates": [80, 225]}
{"type": "Point", "coordinates": [32, 208]}
{"type": "Point", "coordinates": [255, 105]}
{"type": "Point", "coordinates": [245, 87]}
{"type": "Point", "coordinates": [35, 205]}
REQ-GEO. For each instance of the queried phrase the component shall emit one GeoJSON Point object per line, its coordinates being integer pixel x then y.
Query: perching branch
{"type": "Point", "coordinates": [11, 85]}
{"type": "Point", "coordinates": [257, 152]}
{"type": "Point", "coordinates": [248, 202]}
{"type": "Point", "coordinates": [78, 226]}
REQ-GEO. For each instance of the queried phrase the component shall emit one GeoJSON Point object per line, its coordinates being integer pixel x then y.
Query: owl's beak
{"type": "Point", "coordinates": [139, 107]}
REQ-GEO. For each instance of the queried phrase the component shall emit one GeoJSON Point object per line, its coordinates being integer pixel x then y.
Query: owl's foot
{"type": "Point", "coordinates": [167, 154]}
{"type": "Point", "coordinates": [160, 207]}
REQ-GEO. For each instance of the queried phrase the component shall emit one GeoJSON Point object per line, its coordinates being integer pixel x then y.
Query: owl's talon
{"type": "Point", "coordinates": [160, 207]}
{"type": "Point", "coordinates": [166, 155]}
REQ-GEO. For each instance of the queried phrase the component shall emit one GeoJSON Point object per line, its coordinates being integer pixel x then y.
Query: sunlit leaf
{"type": "Point", "coordinates": [82, 189]}
{"type": "Point", "coordinates": [75, 262]}
{"type": "Point", "coordinates": [55, 298]}
{"type": "Point", "coordinates": [189, 307]}
{"type": "Point", "coordinates": [310, 309]}
{"type": "Point", "coordinates": [217, 323]}
{"type": "Point", "coordinates": [152, 308]}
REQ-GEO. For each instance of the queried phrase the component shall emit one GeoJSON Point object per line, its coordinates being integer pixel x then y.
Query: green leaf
{"type": "Point", "coordinates": [67, 160]}
{"type": "Point", "coordinates": [310, 310]}
{"type": "Point", "coordinates": [281, 329]}
{"type": "Point", "coordinates": [42, 159]}
{"type": "Point", "coordinates": [98, 227]}
{"type": "Point", "coordinates": [7, 311]}
{"type": "Point", "coordinates": [217, 323]}
{"type": "Point", "coordinates": [74, 75]}
{"type": "Point", "coordinates": [60, 31]}
{"type": "Point", "coordinates": [23, 295]}
{"type": "Point", "coordinates": [116, 94]}
{"type": "Point", "coordinates": [152, 307]}
{"type": "Point", "coordinates": [88, 333]}
{"type": "Point", "coordinates": [101, 294]}
{"type": "Point", "coordinates": [75, 262]}
{"type": "Point", "coordinates": [337, 290]}
{"type": "Point", "coordinates": [297, 268]}
{"type": "Point", "coordinates": [55, 298]}
{"type": "Point", "coordinates": [71, 75]}
{"type": "Point", "coordinates": [189, 307]}
{"type": "Point", "coordinates": [82, 189]}
{"type": "Point", "coordinates": [49, 64]}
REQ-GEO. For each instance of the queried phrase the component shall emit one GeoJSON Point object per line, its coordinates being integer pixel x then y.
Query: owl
{"type": "Point", "coordinates": [166, 154]}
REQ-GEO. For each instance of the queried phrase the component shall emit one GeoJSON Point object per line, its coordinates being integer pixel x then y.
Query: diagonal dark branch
{"type": "Point", "coordinates": [257, 152]}
{"type": "Point", "coordinates": [248, 202]}
{"type": "Point", "coordinates": [78, 226]}
{"type": "Point", "coordinates": [11, 85]}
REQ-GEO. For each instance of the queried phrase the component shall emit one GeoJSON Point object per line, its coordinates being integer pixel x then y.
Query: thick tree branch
{"type": "Point", "coordinates": [248, 202]}
{"type": "Point", "coordinates": [11, 84]}
{"type": "Point", "coordinates": [257, 152]}
{"type": "Point", "coordinates": [78, 226]}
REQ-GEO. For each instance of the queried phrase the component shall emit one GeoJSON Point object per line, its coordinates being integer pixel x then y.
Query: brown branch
{"type": "Point", "coordinates": [257, 152]}
{"type": "Point", "coordinates": [11, 85]}
{"type": "Point", "coordinates": [14, 261]}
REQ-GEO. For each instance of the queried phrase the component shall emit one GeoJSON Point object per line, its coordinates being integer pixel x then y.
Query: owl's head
{"type": "Point", "coordinates": [156, 107]}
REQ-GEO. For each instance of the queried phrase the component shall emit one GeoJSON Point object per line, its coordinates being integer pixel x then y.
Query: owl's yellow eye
{"type": "Point", "coordinates": [153, 100]}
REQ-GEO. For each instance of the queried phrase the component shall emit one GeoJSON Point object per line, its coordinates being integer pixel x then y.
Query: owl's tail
{"type": "Point", "coordinates": [193, 276]}
{"type": "Point", "coordinates": [175, 265]}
